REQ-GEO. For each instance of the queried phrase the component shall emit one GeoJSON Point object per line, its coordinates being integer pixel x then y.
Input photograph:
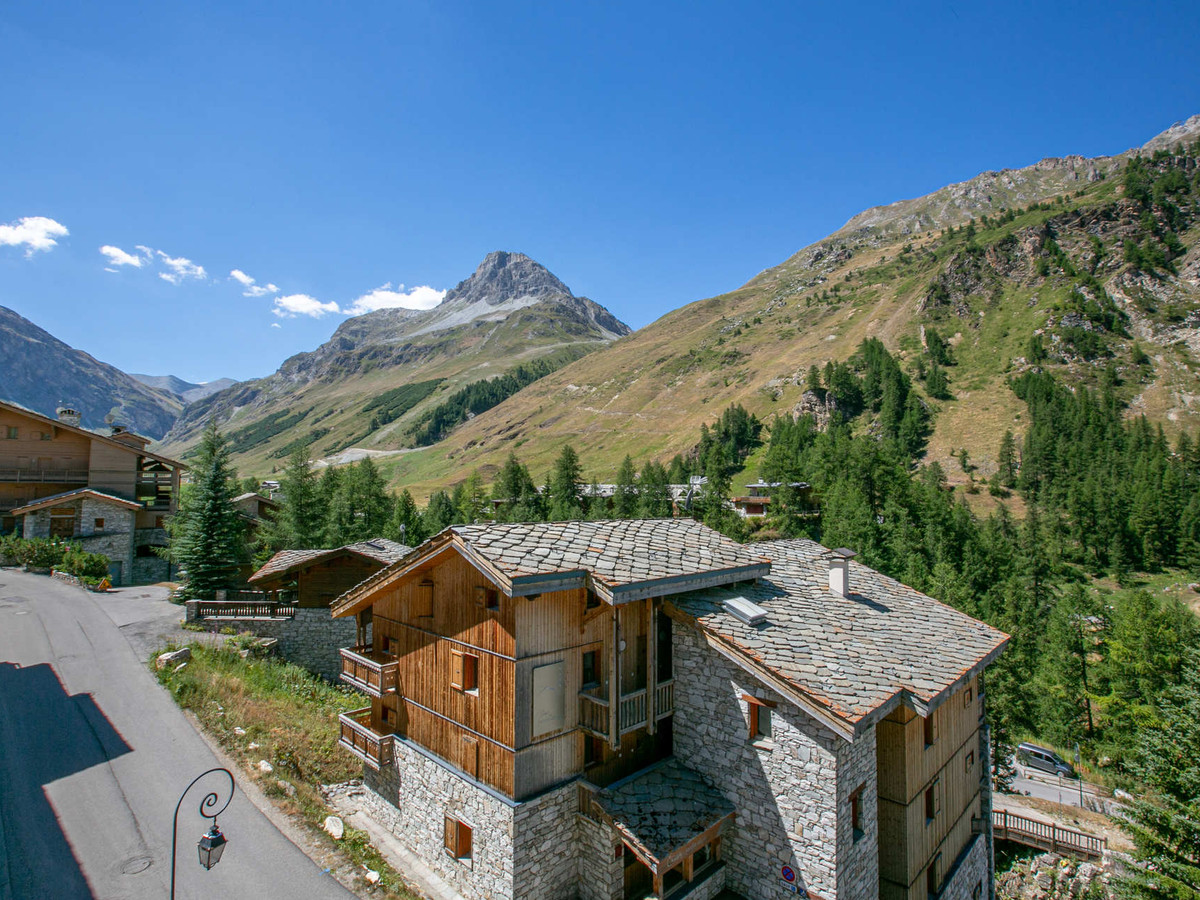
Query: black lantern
{"type": "Point", "coordinates": [212, 845]}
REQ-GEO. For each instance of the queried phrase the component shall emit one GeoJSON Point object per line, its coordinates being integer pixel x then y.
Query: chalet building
{"type": "Point", "coordinates": [297, 588]}
{"type": "Point", "coordinates": [757, 499]}
{"type": "Point", "coordinates": [106, 491]}
{"type": "Point", "coordinates": [632, 709]}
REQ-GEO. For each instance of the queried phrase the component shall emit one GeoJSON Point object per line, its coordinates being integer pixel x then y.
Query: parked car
{"type": "Point", "coordinates": [1044, 760]}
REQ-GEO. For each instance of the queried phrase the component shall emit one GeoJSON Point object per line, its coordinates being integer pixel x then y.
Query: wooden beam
{"type": "Point", "coordinates": [614, 684]}
{"type": "Point", "coordinates": [651, 668]}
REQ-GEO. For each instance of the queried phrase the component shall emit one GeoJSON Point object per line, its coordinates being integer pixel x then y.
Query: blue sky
{"type": "Point", "coordinates": [346, 156]}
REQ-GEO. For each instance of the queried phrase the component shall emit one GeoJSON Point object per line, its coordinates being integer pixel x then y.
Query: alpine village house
{"type": "Point", "coordinates": [632, 709]}
{"type": "Point", "coordinates": [105, 491]}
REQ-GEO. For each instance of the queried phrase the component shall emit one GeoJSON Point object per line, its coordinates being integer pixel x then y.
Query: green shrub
{"type": "Point", "coordinates": [42, 553]}
{"type": "Point", "coordinates": [83, 564]}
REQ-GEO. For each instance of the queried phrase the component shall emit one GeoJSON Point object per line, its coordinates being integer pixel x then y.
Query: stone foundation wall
{"type": "Point", "coordinates": [546, 845]}
{"type": "Point", "coordinates": [601, 871]}
{"type": "Point", "coordinates": [791, 792]}
{"type": "Point", "coordinates": [421, 792]}
{"type": "Point", "coordinates": [970, 871]}
{"type": "Point", "coordinates": [150, 570]}
{"type": "Point", "coordinates": [708, 886]}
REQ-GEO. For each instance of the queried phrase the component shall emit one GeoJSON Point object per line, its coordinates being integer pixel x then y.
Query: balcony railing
{"type": "Point", "coordinates": [372, 671]}
{"type": "Point", "coordinates": [45, 476]}
{"type": "Point", "coordinates": [594, 713]}
{"type": "Point", "coordinates": [357, 736]}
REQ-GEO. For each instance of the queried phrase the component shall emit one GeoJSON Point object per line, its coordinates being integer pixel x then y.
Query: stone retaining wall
{"type": "Point", "coordinates": [970, 872]}
{"type": "Point", "coordinates": [311, 639]}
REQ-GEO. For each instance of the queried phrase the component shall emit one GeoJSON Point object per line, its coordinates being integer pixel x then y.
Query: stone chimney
{"type": "Point", "coordinates": [68, 416]}
{"type": "Point", "coordinates": [839, 570]}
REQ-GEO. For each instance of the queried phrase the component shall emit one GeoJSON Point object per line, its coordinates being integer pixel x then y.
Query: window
{"type": "Point", "coordinates": [12, 432]}
{"type": "Point", "coordinates": [968, 696]}
{"type": "Point", "coordinates": [977, 891]}
{"type": "Point", "coordinates": [458, 839]}
{"type": "Point", "coordinates": [932, 802]}
{"type": "Point", "coordinates": [159, 522]}
{"type": "Point", "coordinates": [930, 730]}
{"type": "Point", "coordinates": [464, 671]}
{"type": "Point", "coordinates": [422, 605]}
{"type": "Point", "coordinates": [46, 435]}
{"type": "Point", "coordinates": [933, 876]}
{"type": "Point", "coordinates": [486, 597]}
{"type": "Point", "coordinates": [856, 813]}
{"type": "Point", "coordinates": [98, 524]}
{"type": "Point", "coordinates": [593, 750]}
{"type": "Point", "coordinates": [760, 718]}
{"type": "Point", "coordinates": [591, 669]}
{"type": "Point", "coordinates": [969, 762]}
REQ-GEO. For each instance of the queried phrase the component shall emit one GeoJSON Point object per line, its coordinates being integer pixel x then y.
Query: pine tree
{"type": "Point", "coordinates": [654, 496]}
{"type": "Point", "coordinates": [207, 537]}
{"type": "Point", "coordinates": [361, 507]}
{"type": "Point", "coordinates": [1006, 461]}
{"type": "Point", "coordinates": [564, 487]}
{"type": "Point", "coordinates": [439, 514]}
{"type": "Point", "coordinates": [625, 497]}
{"type": "Point", "coordinates": [298, 522]}
{"type": "Point", "coordinates": [406, 526]}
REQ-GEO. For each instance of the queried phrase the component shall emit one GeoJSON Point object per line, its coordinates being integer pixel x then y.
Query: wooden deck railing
{"type": "Point", "coordinates": [357, 736]}
{"type": "Point", "coordinates": [45, 476]}
{"type": "Point", "coordinates": [245, 609]}
{"type": "Point", "coordinates": [372, 671]}
{"type": "Point", "coordinates": [631, 710]}
{"type": "Point", "coordinates": [1046, 836]}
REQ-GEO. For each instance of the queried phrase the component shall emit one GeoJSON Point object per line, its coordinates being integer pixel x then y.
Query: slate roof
{"type": "Point", "coordinates": [379, 549]}
{"type": "Point", "coordinates": [662, 808]}
{"type": "Point", "coordinates": [617, 554]}
{"type": "Point", "coordinates": [854, 655]}
{"type": "Point", "coordinates": [42, 502]}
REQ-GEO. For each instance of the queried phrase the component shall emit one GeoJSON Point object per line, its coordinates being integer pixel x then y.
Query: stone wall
{"type": "Point", "coordinates": [421, 792]}
{"type": "Point", "coordinates": [970, 872]}
{"type": "Point", "coordinates": [791, 792]}
{"type": "Point", "coordinates": [312, 639]}
{"type": "Point", "coordinates": [708, 886]}
{"type": "Point", "coordinates": [114, 540]}
{"type": "Point", "coordinates": [601, 871]}
{"type": "Point", "coordinates": [858, 853]}
{"type": "Point", "coordinates": [546, 845]}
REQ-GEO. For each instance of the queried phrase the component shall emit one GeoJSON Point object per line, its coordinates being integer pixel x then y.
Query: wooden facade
{"type": "Point", "coordinates": [495, 685]}
{"type": "Point", "coordinates": [930, 781]}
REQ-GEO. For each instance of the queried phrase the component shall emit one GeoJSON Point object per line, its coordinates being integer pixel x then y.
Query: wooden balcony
{"type": "Point", "coordinates": [371, 671]}
{"type": "Point", "coordinates": [594, 715]}
{"type": "Point", "coordinates": [45, 476]}
{"type": "Point", "coordinates": [357, 736]}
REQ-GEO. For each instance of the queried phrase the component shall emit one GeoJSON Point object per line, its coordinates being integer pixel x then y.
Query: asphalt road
{"type": "Point", "coordinates": [94, 756]}
{"type": "Point", "coordinates": [1033, 783]}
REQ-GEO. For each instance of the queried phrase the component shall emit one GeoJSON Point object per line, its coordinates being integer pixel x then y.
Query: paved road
{"type": "Point", "coordinates": [1033, 783]}
{"type": "Point", "coordinates": [94, 755]}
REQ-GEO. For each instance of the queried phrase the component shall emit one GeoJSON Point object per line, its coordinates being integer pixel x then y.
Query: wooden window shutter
{"type": "Point", "coordinates": [470, 756]}
{"type": "Point", "coordinates": [481, 596]}
{"type": "Point", "coordinates": [456, 669]}
{"type": "Point", "coordinates": [451, 836]}
{"type": "Point", "coordinates": [423, 600]}
{"type": "Point", "coordinates": [464, 841]}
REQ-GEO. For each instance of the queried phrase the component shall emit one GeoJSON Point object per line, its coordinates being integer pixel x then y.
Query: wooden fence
{"type": "Point", "coordinates": [1007, 826]}
{"type": "Point", "coordinates": [245, 605]}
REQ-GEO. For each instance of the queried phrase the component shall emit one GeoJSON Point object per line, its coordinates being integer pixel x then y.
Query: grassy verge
{"type": "Point", "coordinates": [267, 709]}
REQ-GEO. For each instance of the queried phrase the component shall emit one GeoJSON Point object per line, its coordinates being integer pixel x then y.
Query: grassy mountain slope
{"type": "Point", "coordinates": [348, 392]}
{"type": "Point", "coordinates": [889, 273]}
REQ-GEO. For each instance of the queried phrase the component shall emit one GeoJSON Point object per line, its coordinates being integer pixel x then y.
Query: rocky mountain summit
{"type": "Point", "coordinates": [186, 391]}
{"type": "Point", "coordinates": [42, 373]}
{"type": "Point", "coordinates": [512, 310]}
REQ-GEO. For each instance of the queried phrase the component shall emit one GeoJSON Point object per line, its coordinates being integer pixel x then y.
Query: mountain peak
{"type": "Point", "coordinates": [503, 277]}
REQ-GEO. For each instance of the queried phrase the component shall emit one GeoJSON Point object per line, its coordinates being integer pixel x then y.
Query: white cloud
{"type": "Point", "coordinates": [33, 233]}
{"type": "Point", "coordinates": [181, 268]}
{"type": "Point", "coordinates": [276, 325]}
{"type": "Point", "coordinates": [421, 297]}
{"type": "Point", "coordinates": [118, 257]}
{"type": "Point", "coordinates": [253, 289]}
{"type": "Point", "coordinates": [292, 305]}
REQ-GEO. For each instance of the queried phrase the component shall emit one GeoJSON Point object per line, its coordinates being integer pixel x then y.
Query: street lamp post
{"type": "Point", "coordinates": [212, 843]}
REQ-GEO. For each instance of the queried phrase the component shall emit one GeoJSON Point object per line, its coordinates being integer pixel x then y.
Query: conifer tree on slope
{"type": "Point", "coordinates": [207, 537]}
{"type": "Point", "coordinates": [299, 521]}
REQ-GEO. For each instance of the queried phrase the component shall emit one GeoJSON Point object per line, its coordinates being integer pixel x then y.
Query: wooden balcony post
{"type": "Point", "coordinates": [614, 684]}
{"type": "Point", "coordinates": [651, 667]}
